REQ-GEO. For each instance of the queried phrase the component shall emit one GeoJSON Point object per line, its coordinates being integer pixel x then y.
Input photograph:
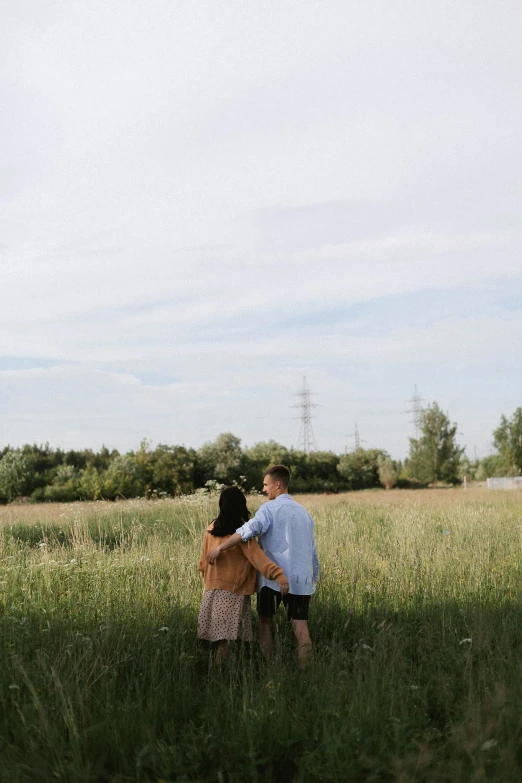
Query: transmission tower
{"type": "Point", "coordinates": [416, 411]}
{"type": "Point", "coordinates": [306, 434]}
{"type": "Point", "coordinates": [356, 438]}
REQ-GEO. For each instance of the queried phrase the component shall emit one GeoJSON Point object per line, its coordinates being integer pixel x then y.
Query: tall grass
{"type": "Point", "coordinates": [417, 625]}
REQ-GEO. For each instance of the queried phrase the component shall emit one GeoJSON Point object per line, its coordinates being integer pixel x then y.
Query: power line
{"type": "Point", "coordinates": [306, 434]}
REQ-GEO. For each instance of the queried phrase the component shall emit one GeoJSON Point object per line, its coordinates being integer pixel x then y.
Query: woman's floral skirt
{"type": "Point", "coordinates": [224, 615]}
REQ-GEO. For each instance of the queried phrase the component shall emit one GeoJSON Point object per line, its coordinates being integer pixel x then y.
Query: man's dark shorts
{"type": "Point", "coordinates": [296, 606]}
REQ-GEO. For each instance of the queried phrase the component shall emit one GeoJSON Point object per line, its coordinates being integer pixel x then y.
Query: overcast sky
{"type": "Point", "coordinates": [201, 202]}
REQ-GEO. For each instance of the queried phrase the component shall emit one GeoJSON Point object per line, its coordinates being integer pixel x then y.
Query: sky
{"type": "Point", "coordinates": [202, 203]}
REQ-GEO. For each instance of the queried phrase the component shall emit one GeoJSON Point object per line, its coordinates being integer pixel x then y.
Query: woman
{"type": "Point", "coordinates": [225, 613]}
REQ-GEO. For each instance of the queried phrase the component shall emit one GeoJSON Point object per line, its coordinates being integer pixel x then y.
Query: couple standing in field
{"type": "Point", "coordinates": [285, 560]}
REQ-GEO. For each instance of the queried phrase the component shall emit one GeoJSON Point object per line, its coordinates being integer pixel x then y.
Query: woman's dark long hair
{"type": "Point", "coordinates": [233, 512]}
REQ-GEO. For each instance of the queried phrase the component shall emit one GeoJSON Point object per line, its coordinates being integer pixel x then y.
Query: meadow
{"type": "Point", "coordinates": [417, 671]}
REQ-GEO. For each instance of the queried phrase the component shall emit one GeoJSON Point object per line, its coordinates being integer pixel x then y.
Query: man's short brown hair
{"type": "Point", "coordinates": [279, 473]}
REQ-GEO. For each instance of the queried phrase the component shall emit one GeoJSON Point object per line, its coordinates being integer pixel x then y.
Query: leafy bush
{"type": "Point", "coordinates": [65, 487]}
{"type": "Point", "coordinates": [388, 472]}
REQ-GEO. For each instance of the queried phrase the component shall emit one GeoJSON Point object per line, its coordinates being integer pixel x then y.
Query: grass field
{"type": "Point", "coordinates": [418, 651]}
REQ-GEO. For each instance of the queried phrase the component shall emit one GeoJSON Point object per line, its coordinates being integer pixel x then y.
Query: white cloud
{"type": "Point", "coordinates": [413, 243]}
{"type": "Point", "coordinates": [183, 179]}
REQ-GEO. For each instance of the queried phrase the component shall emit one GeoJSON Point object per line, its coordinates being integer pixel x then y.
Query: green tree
{"type": "Point", "coordinates": [42, 464]}
{"type": "Point", "coordinates": [144, 466]}
{"type": "Point", "coordinates": [435, 456]}
{"type": "Point", "coordinates": [101, 459]}
{"type": "Point", "coordinates": [222, 459]}
{"type": "Point", "coordinates": [173, 469]}
{"type": "Point", "coordinates": [297, 463]}
{"type": "Point", "coordinates": [492, 465]}
{"type": "Point", "coordinates": [121, 479]}
{"type": "Point", "coordinates": [321, 471]}
{"type": "Point", "coordinates": [507, 439]}
{"type": "Point", "coordinates": [360, 468]}
{"type": "Point", "coordinates": [259, 458]}
{"type": "Point", "coordinates": [14, 473]}
{"type": "Point", "coordinates": [90, 484]}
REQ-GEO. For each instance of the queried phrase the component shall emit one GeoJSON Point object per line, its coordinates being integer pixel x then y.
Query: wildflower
{"type": "Point", "coordinates": [14, 687]}
{"type": "Point", "coordinates": [488, 744]}
{"type": "Point", "coordinates": [446, 532]}
{"type": "Point", "coordinates": [164, 628]}
{"type": "Point", "coordinates": [368, 587]}
{"type": "Point", "coordinates": [465, 641]}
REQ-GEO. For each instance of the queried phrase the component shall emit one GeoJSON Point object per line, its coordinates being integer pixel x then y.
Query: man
{"type": "Point", "coordinates": [286, 534]}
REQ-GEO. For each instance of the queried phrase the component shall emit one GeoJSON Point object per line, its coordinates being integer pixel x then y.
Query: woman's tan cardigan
{"type": "Point", "coordinates": [235, 568]}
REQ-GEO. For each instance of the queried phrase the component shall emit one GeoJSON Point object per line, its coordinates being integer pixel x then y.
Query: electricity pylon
{"type": "Point", "coordinates": [306, 434]}
{"type": "Point", "coordinates": [416, 410]}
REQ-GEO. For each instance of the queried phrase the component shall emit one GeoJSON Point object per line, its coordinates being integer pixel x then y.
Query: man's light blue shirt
{"type": "Point", "coordinates": [286, 534]}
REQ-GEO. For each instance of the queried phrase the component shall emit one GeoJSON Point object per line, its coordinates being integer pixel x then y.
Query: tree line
{"type": "Point", "coordinates": [44, 474]}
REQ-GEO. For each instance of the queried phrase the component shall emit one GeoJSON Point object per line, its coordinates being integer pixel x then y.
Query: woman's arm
{"type": "Point", "coordinates": [203, 559]}
{"type": "Point", "coordinates": [264, 565]}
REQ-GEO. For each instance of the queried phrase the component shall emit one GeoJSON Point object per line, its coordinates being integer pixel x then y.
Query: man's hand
{"type": "Point", "coordinates": [284, 586]}
{"type": "Point", "coordinates": [213, 555]}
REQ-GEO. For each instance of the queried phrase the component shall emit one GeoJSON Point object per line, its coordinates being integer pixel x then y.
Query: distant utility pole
{"type": "Point", "coordinates": [356, 438]}
{"type": "Point", "coordinates": [306, 434]}
{"type": "Point", "coordinates": [416, 410]}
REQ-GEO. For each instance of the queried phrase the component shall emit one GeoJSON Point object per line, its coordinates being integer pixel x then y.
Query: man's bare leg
{"type": "Point", "coordinates": [265, 637]}
{"type": "Point", "coordinates": [304, 643]}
